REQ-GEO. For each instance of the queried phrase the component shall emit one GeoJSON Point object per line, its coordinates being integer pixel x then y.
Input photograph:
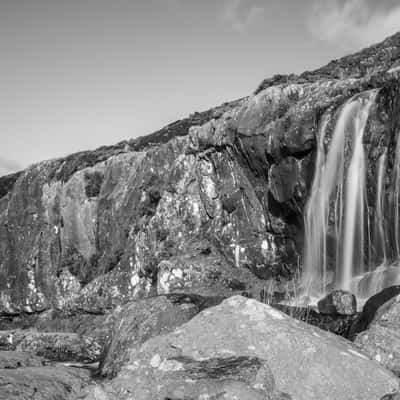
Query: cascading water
{"type": "Point", "coordinates": [335, 213]}
{"type": "Point", "coordinates": [379, 231]}
{"type": "Point", "coordinates": [385, 269]}
{"type": "Point", "coordinates": [354, 200]}
{"type": "Point", "coordinates": [396, 198]}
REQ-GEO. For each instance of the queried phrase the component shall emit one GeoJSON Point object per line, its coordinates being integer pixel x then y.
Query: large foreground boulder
{"type": "Point", "coordinates": [139, 321]}
{"type": "Point", "coordinates": [381, 341]}
{"type": "Point", "coordinates": [230, 348]}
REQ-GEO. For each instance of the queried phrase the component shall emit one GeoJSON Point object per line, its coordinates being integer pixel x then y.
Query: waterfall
{"type": "Point", "coordinates": [317, 220]}
{"type": "Point", "coordinates": [380, 232]}
{"type": "Point", "coordinates": [385, 269]}
{"type": "Point", "coordinates": [353, 235]}
{"type": "Point", "coordinates": [335, 212]}
{"type": "Point", "coordinates": [396, 192]}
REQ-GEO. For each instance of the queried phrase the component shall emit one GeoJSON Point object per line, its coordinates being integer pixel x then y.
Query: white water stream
{"type": "Point", "coordinates": [336, 216]}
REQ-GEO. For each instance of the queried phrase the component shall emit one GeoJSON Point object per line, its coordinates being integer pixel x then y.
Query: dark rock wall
{"type": "Point", "coordinates": [210, 204]}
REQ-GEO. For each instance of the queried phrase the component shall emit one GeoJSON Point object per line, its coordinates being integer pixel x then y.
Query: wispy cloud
{"type": "Point", "coordinates": [242, 14]}
{"type": "Point", "coordinates": [354, 23]}
{"type": "Point", "coordinates": [8, 166]}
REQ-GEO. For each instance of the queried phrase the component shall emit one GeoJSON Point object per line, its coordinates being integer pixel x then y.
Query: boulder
{"type": "Point", "coordinates": [141, 320]}
{"type": "Point", "coordinates": [55, 346]}
{"type": "Point", "coordinates": [370, 308]}
{"type": "Point", "coordinates": [381, 341]}
{"type": "Point", "coordinates": [338, 302]}
{"type": "Point", "coordinates": [96, 326]}
{"type": "Point", "coordinates": [238, 347]}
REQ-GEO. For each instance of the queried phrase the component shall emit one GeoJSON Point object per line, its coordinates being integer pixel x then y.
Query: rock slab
{"type": "Point", "coordinates": [24, 376]}
{"type": "Point", "coordinates": [381, 341]}
{"type": "Point", "coordinates": [268, 352]}
{"type": "Point", "coordinates": [139, 321]}
{"type": "Point", "coordinates": [44, 383]}
{"type": "Point", "coordinates": [370, 309]}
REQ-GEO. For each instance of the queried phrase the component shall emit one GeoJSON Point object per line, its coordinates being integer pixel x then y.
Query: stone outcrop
{"type": "Point", "coordinates": [338, 302]}
{"type": "Point", "coordinates": [55, 346]}
{"type": "Point", "coordinates": [338, 324]}
{"type": "Point", "coordinates": [245, 348]}
{"type": "Point", "coordinates": [44, 383]}
{"type": "Point", "coordinates": [141, 320]}
{"type": "Point", "coordinates": [381, 341]}
{"type": "Point", "coordinates": [370, 309]}
{"type": "Point", "coordinates": [24, 376]}
{"type": "Point", "coordinates": [369, 61]}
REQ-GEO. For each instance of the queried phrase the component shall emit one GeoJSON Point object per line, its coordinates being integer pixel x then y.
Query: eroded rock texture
{"type": "Point", "coordinates": [141, 320]}
{"type": "Point", "coordinates": [370, 309]}
{"type": "Point", "coordinates": [55, 346]}
{"type": "Point", "coordinates": [381, 341]}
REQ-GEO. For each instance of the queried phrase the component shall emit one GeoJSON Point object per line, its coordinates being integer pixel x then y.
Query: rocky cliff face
{"type": "Point", "coordinates": [212, 204]}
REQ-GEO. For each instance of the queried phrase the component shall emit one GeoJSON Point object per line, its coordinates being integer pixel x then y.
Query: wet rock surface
{"type": "Point", "coordinates": [370, 309]}
{"type": "Point", "coordinates": [381, 341]}
{"type": "Point", "coordinates": [338, 302]}
{"type": "Point", "coordinates": [246, 343]}
{"type": "Point", "coordinates": [337, 323]}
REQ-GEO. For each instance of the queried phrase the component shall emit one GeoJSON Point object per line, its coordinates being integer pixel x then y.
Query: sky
{"type": "Point", "coordinates": [79, 74]}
